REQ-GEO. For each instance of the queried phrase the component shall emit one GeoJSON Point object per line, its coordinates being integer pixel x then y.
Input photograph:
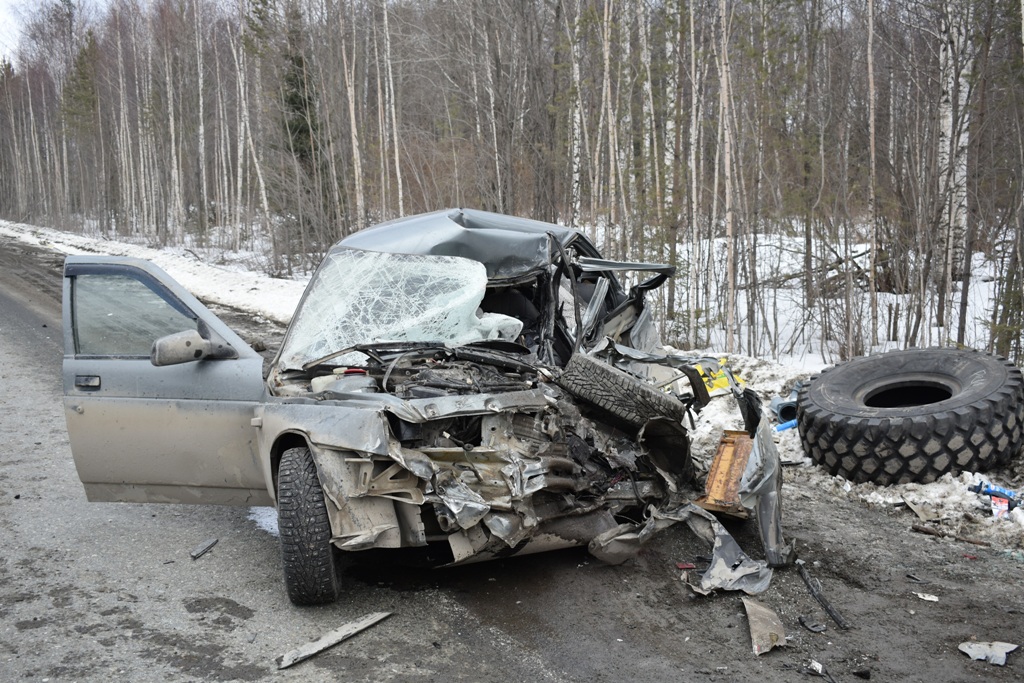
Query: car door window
{"type": "Point", "coordinates": [118, 315]}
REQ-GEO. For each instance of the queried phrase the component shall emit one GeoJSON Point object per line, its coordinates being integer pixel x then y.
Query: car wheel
{"type": "Point", "coordinates": [914, 415]}
{"type": "Point", "coordinates": [310, 566]}
{"type": "Point", "coordinates": [618, 393]}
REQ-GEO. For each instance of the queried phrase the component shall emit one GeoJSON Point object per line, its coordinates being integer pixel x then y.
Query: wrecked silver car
{"type": "Point", "coordinates": [474, 383]}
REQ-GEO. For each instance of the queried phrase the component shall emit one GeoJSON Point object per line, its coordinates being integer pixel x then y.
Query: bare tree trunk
{"type": "Point", "coordinates": [393, 109]}
{"type": "Point", "coordinates": [357, 161]}
{"type": "Point", "coordinates": [177, 208]}
{"type": "Point", "coordinates": [204, 201]}
{"type": "Point", "coordinates": [953, 138]}
{"type": "Point", "coordinates": [730, 228]}
{"type": "Point", "coordinates": [579, 138]}
{"type": "Point", "coordinates": [696, 108]}
{"type": "Point", "coordinates": [872, 179]}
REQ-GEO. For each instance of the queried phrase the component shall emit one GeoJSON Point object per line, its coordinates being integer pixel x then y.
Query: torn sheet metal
{"type": "Point", "coordinates": [330, 639]}
{"type": "Point", "coordinates": [993, 653]}
{"type": "Point", "coordinates": [761, 489]}
{"type": "Point", "coordinates": [730, 569]}
{"type": "Point", "coordinates": [766, 629]}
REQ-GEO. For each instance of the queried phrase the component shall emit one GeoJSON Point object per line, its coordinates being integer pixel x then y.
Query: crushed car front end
{"type": "Point", "coordinates": [475, 408]}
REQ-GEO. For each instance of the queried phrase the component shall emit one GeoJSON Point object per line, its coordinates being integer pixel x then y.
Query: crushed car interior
{"type": "Point", "coordinates": [479, 384]}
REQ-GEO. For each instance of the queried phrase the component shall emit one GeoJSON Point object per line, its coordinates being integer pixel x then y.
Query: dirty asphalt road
{"type": "Point", "coordinates": [108, 591]}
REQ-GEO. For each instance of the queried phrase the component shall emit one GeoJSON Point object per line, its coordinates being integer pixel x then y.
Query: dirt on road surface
{"type": "Point", "coordinates": [109, 591]}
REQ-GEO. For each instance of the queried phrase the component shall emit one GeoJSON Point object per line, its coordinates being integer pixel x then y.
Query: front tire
{"type": "Point", "coordinates": [310, 564]}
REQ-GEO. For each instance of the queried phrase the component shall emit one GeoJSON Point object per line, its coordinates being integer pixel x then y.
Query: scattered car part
{"type": "Point", "coordinates": [203, 548]}
{"type": "Point", "coordinates": [812, 626]}
{"type": "Point", "coordinates": [913, 415]}
{"type": "Point", "coordinates": [721, 490]}
{"type": "Point", "coordinates": [816, 668]}
{"type": "Point", "coordinates": [331, 639]}
{"type": "Point", "coordinates": [766, 629]}
{"type": "Point", "coordinates": [815, 587]}
{"type": "Point", "coordinates": [730, 568]}
{"type": "Point", "coordinates": [310, 571]}
{"type": "Point", "coordinates": [993, 653]}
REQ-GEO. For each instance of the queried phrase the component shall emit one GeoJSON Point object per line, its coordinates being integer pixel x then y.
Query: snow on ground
{"type": "Point", "coordinates": [232, 285]}
{"type": "Point", "coordinates": [272, 298]}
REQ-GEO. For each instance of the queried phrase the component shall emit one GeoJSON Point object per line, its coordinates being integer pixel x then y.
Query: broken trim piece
{"type": "Point", "coordinates": [331, 639]}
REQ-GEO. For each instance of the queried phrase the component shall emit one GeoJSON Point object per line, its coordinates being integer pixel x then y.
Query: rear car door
{"type": "Point", "coordinates": [139, 433]}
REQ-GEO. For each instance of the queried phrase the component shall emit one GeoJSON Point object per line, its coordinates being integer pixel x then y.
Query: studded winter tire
{"type": "Point", "coordinates": [912, 416]}
{"type": "Point", "coordinates": [617, 393]}
{"type": "Point", "coordinates": [310, 567]}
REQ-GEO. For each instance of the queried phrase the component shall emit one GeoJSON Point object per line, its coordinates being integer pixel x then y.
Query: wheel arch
{"type": "Point", "coordinates": [284, 441]}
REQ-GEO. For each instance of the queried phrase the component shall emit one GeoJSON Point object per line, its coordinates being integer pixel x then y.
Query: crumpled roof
{"type": "Point", "coordinates": [509, 247]}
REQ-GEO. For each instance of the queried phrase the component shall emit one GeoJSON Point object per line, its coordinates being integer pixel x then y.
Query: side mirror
{"type": "Point", "coordinates": [189, 346]}
{"type": "Point", "coordinates": [180, 347]}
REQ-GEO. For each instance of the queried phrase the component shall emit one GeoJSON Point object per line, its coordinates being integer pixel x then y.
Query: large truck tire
{"type": "Point", "coordinates": [914, 415]}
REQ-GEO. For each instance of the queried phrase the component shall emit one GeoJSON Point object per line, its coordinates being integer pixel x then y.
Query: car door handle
{"type": "Point", "coordinates": [87, 382]}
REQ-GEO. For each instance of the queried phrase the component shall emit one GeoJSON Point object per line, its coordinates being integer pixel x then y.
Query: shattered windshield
{"type": "Point", "coordinates": [364, 297]}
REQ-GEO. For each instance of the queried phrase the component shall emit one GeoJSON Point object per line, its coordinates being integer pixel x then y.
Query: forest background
{"type": "Point", "coordinates": [827, 175]}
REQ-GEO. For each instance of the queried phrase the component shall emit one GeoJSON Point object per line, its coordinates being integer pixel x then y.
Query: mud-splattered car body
{"type": "Point", "coordinates": [469, 382]}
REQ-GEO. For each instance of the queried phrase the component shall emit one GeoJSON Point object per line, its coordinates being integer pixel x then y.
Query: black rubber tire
{"type": "Point", "coordinates": [914, 415]}
{"type": "Point", "coordinates": [617, 393]}
{"type": "Point", "coordinates": [310, 567]}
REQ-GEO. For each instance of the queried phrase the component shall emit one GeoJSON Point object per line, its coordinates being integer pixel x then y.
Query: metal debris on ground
{"type": "Point", "coordinates": [927, 597]}
{"type": "Point", "coordinates": [818, 669]}
{"type": "Point", "coordinates": [993, 653]}
{"type": "Point", "coordinates": [766, 629]}
{"type": "Point", "coordinates": [203, 548]}
{"type": "Point", "coordinates": [812, 626]}
{"type": "Point", "coordinates": [329, 640]}
{"type": "Point", "coordinates": [730, 568]}
{"type": "Point", "coordinates": [815, 587]}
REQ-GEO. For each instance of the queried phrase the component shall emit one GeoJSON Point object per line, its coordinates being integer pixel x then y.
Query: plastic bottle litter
{"type": "Point", "coordinates": [1003, 500]}
{"type": "Point", "coordinates": [784, 426]}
